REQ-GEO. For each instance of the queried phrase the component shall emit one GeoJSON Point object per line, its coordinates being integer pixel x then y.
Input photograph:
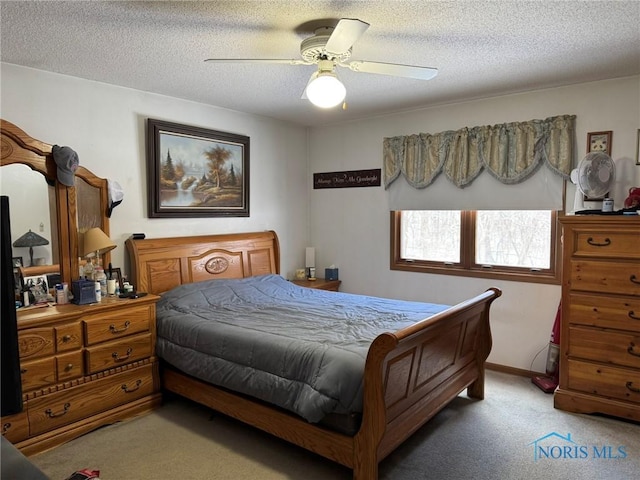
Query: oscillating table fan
{"type": "Point", "coordinates": [593, 177]}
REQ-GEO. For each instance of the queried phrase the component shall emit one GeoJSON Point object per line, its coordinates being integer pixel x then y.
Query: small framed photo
{"type": "Point", "coordinates": [599, 142]}
{"type": "Point", "coordinates": [38, 285]}
{"type": "Point", "coordinates": [116, 274]}
{"type": "Point", "coordinates": [17, 262]}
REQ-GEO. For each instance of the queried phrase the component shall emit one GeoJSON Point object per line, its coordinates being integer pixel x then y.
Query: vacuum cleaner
{"type": "Point", "coordinates": [549, 382]}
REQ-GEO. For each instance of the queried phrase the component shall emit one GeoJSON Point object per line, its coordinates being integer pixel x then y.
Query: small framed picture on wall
{"type": "Point", "coordinates": [599, 142]}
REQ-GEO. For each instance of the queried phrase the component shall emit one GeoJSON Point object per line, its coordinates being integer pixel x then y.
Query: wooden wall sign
{"type": "Point", "coordinates": [350, 178]}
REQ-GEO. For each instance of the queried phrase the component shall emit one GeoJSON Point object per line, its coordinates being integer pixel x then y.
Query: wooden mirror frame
{"type": "Point", "coordinates": [19, 147]}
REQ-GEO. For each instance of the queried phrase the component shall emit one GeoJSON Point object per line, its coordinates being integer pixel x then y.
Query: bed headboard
{"type": "Point", "coordinates": [159, 264]}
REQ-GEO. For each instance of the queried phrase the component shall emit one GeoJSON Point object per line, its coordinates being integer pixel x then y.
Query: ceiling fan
{"type": "Point", "coordinates": [330, 47]}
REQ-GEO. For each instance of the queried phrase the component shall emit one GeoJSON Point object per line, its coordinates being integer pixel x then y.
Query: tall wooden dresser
{"type": "Point", "coordinates": [83, 367]}
{"type": "Point", "coordinates": [600, 335]}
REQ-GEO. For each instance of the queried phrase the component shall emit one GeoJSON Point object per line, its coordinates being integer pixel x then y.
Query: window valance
{"type": "Point", "coordinates": [510, 152]}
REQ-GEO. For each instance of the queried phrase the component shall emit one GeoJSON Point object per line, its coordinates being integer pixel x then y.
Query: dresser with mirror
{"type": "Point", "coordinates": [81, 366]}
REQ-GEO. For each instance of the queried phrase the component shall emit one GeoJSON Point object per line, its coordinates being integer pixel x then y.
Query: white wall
{"type": "Point", "coordinates": [350, 227]}
{"type": "Point", "coordinates": [105, 125]}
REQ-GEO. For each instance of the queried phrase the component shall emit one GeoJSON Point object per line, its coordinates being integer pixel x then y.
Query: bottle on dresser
{"type": "Point", "coordinates": [101, 278]}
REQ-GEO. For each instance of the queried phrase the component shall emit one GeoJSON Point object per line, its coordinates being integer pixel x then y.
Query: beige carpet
{"type": "Point", "coordinates": [488, 439]}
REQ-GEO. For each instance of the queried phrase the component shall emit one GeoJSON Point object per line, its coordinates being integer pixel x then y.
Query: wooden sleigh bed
{"type": "Point", "coordinates": [409, 375]}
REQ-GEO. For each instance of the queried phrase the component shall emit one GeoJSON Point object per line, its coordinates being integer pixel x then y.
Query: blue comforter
{"type": "Point", "coordinates": [298, 348]}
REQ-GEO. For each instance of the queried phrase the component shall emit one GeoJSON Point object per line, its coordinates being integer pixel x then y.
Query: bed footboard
{"type": "Point", "coordinates": [410, 375]}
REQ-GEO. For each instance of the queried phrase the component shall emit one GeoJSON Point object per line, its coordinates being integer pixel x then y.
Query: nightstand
{"type": "Point", "coordinates": [320, 283]}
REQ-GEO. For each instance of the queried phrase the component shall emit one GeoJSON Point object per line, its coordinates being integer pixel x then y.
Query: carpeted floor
{"type": "Point", "coordinates": [489, 439]}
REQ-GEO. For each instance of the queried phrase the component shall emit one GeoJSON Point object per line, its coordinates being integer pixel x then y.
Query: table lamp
{"type": "Point", "coordinates": [30, 239]}
{"type": "Point", "coordinates": [310, 263]}
{"type": "Point", "coordinates": [96, 243]}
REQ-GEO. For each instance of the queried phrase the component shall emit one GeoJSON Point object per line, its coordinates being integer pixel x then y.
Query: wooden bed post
{"type": "Point", "coordinates": [366, 441]}
{"type": "Point", "coordinates": [483, 349]}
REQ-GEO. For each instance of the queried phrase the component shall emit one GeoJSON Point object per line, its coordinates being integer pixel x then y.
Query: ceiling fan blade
{"type": "Point", "coordinates": [346, 33]}
{"type": "Point", "coordinates": [395, 69]}
{"type": "Point", "coordinates": [259, 60]}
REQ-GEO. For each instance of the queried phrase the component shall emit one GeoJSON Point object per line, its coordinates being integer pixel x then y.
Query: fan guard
{"type": "Point", "coordinates": [595, 174]}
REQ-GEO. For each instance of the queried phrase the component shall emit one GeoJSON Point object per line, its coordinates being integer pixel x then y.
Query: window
{"type": "Point", "coordinates": [512, 245]}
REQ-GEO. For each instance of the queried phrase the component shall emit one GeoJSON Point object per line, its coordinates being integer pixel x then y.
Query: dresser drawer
{"type": "Point", "coordinates": [622, 313]}
{"type": "Point", "coordinates": [614, 382]}
{"type": "Point", "coordinates": [69, 366]}
{"type": "Point", "coordinates": [618, 348]}
{"type": "Point", "coordinates": [38, 373]}
{"type": "Point", "coordinates": [117, 324]}
{"type": "Point", "coordinates": [68, 337]}
{"type": "Point", "coordinates": [606, 244]}
{"type": "Point", "coordinates": [606, 277]}
{"type": "Point", "coordinates": [115, 354]}
{"type": "Point", "coordinates": [16, 427]}
{"type": "Point", "coordinates": [36, 342]}
{"type": "Point", "coordinates": [76, 403]}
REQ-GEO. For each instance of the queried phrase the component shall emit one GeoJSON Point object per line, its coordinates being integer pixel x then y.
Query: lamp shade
{"type": "Point", "coordinates": [325, 90]}
{"type": "Point", "coordinates": [30, 239]}
{"type": "Point", "coordinates": [96, 242]}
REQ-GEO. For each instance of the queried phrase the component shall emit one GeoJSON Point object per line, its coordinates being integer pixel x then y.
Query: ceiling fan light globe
{"type": "Point", "coordinates": [326, 91]}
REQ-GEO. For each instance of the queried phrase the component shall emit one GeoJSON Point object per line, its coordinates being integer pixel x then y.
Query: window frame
{"type": "Point", "coordinates": [467, 266]}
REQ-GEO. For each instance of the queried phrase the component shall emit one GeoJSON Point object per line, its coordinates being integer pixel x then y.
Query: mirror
{"type": "Point", "coordinates": [27, 161]}
{"type": "Point", "coordinates": [32, 206]}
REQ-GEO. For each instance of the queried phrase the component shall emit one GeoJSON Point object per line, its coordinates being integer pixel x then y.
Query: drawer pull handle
{"type": "Point", "coordinates": [6, 427]}
{"type": "Point", "coordinates": [125, 387]}
{"type": "Point", "coordinates": [23, 371]}
{"type": "Point", "coordinates": [632, 388]}
{"type": "Point", "coordinates": [66, 338]}
{"type": "Point", "coordinates": [633, 315]}
{"type": "Point", "coordinates": [606, 242]}
{"type": "Point", "coordinates": [116, 356]}
{"type": "Point", "coordinates": [630, 350]}
{"type": "Point", "coordinates": [50, 413]}
{"type": "Point", "coordinates": [632, 278]}
{"type": "Point", "coordinates": [115, 330]}
{"type": "Point", "coordinates": [69, 367]}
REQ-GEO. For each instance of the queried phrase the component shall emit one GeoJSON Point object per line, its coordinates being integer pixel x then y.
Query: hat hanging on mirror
{"type": "Point", "coordinates": [67, 162]}
{"type": "Point", "coordinates": [116, 195]}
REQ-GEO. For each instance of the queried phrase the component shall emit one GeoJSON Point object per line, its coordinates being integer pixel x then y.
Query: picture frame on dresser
{"type": "Point", "coordinates": [38, 285]}
{"type": "Point", "coordinates": [116, 273]}
{"type": "Point", "coordinates": [196, 172]}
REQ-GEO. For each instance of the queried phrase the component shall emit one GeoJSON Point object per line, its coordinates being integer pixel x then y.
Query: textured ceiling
{"type": "Point", "coordinates": [481, 48]}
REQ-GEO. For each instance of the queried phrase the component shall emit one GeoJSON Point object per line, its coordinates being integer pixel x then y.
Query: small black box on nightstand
{"type": "Point", "coordinates": [331, 274]}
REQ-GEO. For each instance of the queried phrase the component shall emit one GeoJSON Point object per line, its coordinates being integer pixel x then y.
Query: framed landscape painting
{"type": "Point", "coordinates": [196, 172]}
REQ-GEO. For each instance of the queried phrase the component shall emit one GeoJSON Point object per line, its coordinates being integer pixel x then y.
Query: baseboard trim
{"type": "Point", "coordinates": [511, 370]}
